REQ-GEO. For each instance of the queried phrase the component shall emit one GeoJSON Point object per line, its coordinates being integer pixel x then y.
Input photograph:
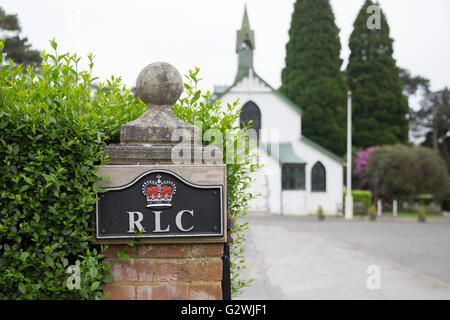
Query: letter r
{"type": "Point", "coordinates": [133, 222]}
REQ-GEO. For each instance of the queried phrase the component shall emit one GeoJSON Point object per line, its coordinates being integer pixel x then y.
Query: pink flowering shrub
{"type": "Point", "coordinates": [361, 165]}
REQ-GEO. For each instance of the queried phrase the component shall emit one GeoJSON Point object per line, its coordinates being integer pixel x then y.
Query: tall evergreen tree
{"type": "Point", "coordinates": [312, 77]}
{"type": "Point", "coordinates": [379, 107]}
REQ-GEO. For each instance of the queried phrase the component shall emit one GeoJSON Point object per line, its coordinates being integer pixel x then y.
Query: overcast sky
{"type": "Point", "coordinates": [127, 35]}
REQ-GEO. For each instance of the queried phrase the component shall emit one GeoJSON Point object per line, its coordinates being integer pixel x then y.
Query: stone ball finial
{"type": "Point", "coordinates": [159, 83]}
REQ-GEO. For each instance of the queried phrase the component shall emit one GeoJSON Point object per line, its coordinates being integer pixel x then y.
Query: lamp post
{"type": "Point", "coordinates": [349, 197]}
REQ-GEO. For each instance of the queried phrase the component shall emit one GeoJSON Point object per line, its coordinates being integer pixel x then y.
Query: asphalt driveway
{"type": "Point", "coordinates": [302, 258]}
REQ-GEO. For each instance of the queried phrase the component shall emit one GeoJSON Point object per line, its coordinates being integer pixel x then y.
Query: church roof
{"type": "Point", "coordinates": [242, 73]}
{"type": "Point", "coordinates": [322, 149]}
{"type": "Point", "coordinates": [286, 154]}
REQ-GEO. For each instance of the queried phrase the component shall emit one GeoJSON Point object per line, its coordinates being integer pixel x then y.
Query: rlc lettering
{"type": "Point", "coordinates": [135, 219]}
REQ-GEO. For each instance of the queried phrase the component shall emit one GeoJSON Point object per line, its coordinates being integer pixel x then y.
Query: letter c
{"type": "Point", "coordinates": [178, 220]}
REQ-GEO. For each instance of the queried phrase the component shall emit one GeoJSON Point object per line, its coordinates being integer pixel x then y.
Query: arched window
{"type": "Point", "coordinates": [251, 112]}
{"type": "Point", "coordinates": [318, 178]}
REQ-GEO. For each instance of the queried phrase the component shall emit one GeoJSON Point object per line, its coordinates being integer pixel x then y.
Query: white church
{"type": "Point", "coordinates": [298, 175]}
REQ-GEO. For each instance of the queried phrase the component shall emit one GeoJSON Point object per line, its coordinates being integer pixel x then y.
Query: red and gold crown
{"type": "Point", "coordinates": [159, 193]}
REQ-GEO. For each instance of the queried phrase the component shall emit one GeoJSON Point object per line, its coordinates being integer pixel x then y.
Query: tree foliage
{"type": "Point", "coordinates": [312, 77]}
{"type": "Point", "coordinates": [400, 172]}
{"type": "Point", "coordinates": [432, 121]}
{"type": "Point", "coordinates": [379, 107]}
{"type": "Point", "coordinates": [412, 84]}
{"type": "Point", "coordinates": [54, 129]}
{"type": "Point", "coordinates": [17, 48]}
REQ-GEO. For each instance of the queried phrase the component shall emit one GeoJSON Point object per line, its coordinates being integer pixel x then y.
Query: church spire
{"type": "Point", "coordinates": [245, 24]}
{"type": "Point", "coordinates": [245, 44]}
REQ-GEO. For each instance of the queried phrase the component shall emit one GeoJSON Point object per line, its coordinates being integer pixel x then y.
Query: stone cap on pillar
{"type": "Point", "coordinates": [153, 136]}
{"type": "Point", "coordinates": [159, 85]}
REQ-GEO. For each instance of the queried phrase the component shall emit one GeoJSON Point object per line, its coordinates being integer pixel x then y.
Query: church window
{"type": "Point", "coordinates": [251, 116]}
{"type": "Point", "coordinates": [318, 178]}
{"type": "Point", "coordinates": [293, 177]}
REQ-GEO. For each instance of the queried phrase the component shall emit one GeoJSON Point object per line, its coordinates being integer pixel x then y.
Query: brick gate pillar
{"type": "Point", "coordinates": [182, 266]}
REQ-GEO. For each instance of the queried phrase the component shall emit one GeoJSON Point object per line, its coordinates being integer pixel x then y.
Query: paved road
{"type": "Point", "coordinates": [302, 258]}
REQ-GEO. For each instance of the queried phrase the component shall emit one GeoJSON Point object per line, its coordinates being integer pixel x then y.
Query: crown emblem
{"type": "Point", "coordinates": [159, 193]}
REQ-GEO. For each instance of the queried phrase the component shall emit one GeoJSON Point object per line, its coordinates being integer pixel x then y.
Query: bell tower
{"type": "Point", "coordinates": [245, 44]}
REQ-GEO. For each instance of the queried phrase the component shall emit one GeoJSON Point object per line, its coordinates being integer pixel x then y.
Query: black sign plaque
{"type": "Point", "coordinates": [160, 204]}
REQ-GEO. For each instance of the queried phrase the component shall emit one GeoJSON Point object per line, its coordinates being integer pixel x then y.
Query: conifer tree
{"type": "Point", "coordinates": [312, 78]}
{"type": "Point", "coordinates": [379, 107]}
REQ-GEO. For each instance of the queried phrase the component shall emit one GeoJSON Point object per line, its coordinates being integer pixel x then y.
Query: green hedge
{"type": "Point", "coordinates": [362, 196]}
{"type": "Point", "coordinates": [424, 199]}
{"type": "Point", "coordinates": [54, 127]}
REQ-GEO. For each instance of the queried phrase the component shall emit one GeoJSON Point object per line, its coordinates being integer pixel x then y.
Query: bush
{"type": "Point", "coordinates": [54, 128]}
{"type": "Point", "coordinates": [362, 196]}
{"type": "Point", "coordinates": [362, 159]}
{"type": "Point", "coordinates": [400, 172]}
{"type": "Point", "coordinates": [424, 199]}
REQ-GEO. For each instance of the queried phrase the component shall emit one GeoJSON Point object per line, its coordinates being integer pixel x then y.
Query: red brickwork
{"type": "Point", "coordinates": [166, 271]}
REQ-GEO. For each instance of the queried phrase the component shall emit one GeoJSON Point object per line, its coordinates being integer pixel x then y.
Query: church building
{"type": "Point", "coordinates": [298, 175]}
